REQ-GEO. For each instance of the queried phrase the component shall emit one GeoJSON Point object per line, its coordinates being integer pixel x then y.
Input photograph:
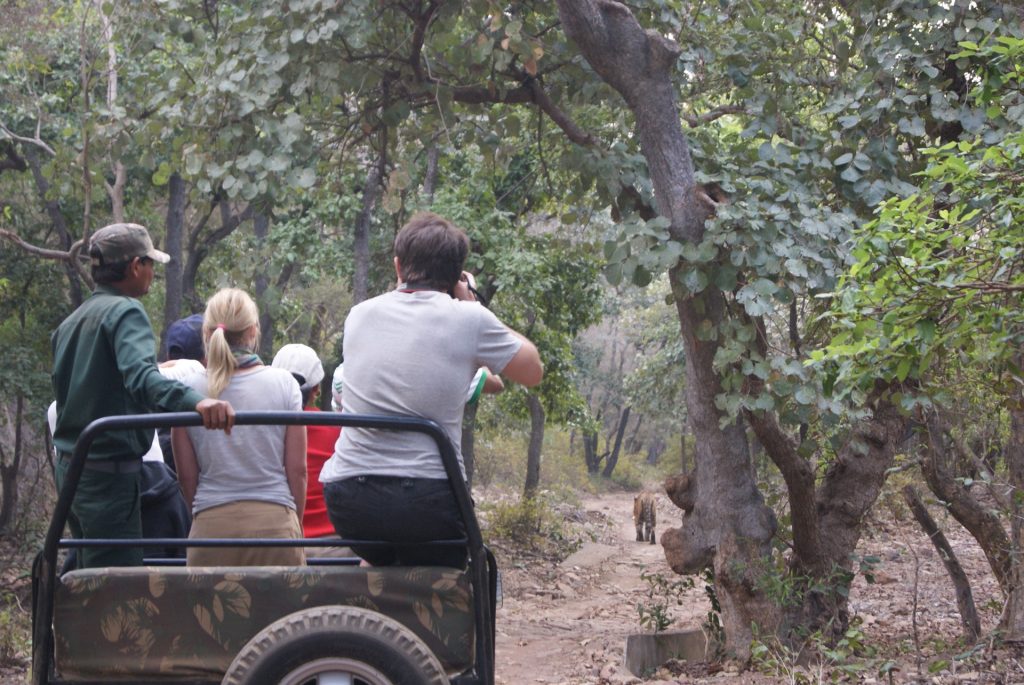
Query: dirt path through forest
{"type": "Point", "coordinates": [569, 624]}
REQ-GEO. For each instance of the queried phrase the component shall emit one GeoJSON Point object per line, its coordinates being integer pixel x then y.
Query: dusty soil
{"type": "Point", "coordinates": [567, 622]}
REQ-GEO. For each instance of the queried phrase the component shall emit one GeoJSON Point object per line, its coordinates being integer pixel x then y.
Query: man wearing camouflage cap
{"type": "Point", "coordinates": [105, 365]}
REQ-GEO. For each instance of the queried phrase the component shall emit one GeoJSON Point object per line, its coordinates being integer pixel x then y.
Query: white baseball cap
{"type": "Point", "coordinates": [300, 360]}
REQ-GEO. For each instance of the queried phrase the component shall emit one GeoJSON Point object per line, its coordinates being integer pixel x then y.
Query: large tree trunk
{"type": "Point", "coordinates": [848, 490]}
{"type": "Point", "coordinates": [173, 245]}
{"type": "Point", "coordinates": [729, 526]}
{"type": "Point", "coordinates": [533, 452]}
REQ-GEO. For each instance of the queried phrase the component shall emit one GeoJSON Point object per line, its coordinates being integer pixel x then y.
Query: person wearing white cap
{"type": "Point", "coordinates": [304, 365]}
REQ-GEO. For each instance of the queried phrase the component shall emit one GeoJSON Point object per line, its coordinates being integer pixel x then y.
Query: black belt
{"type": "Point", "coordinates": [109, 465]}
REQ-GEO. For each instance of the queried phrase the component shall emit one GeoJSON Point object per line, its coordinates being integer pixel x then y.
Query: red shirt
{"type": "Point", "coordinates": [319, 448]}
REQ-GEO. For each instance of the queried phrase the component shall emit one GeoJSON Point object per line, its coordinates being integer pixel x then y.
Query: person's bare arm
{"type": "Point", "coordinates": [295, 465]}
{"type": "Point", "coordinates": [525, 367]}
{"type": "Point", "coordinates": [186, 464]}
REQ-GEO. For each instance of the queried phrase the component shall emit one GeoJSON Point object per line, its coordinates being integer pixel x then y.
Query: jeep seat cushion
{"type": "Point", "coordinates": [168, 623]}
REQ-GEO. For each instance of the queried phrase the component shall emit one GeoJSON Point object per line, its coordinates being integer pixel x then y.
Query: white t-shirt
{"type": "Point", "coordinates": [249, 463]}
{"type": "Point", "coordinates": [179, 371]}
{"type": "Point", "coordinates": [412, 353]}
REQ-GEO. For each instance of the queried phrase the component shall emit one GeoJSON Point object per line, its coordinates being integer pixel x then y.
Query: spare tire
{"type": "Point", "coordinates": [335, 645]}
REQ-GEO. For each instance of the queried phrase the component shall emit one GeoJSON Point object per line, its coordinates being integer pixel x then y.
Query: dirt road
{"type": "Point", "coordinates": [569, 624]}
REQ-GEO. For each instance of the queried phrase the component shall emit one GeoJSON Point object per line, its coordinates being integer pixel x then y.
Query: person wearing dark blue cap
{"type": "Point", "coordinates": [185, 338]}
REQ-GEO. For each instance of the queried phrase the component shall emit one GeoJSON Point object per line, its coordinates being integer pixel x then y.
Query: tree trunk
{"type": "Point", "coordinates": [533, 452]}
{"type": "Point", "coordinates": [730, 527]}
{"type": "Point", "coordinates": [847, 491]}
{"type": "Point", "coordinates": [613, 457]}
{"type": "Point", "coordinates": [173, 244]}
{"type": "Point", "coordinates": [1013, 614]}
{"type": "Point", "coordinates": [469, 442]}
{"type": "Point", "coordinates": [590, 455]}
{"type": "Point", "coordinates": [261, 229]}
{"type": "Point", "coordinates": [656, 447]}
{"type": "Point", "coordinates": [980, 521]}
{"type": "Point", "coordinates": [964, 598]}
{"type": "Point", "coordinates": [430, 178]}
{"type": "Point", "coordinates": [60, 224]}
{"type": "Point", "coordinates": [9, 472]}
{"type": "Point", "coordinates": [634, 443]}
{"type": "Point", "coordinates": [199, 246]}
{"type": "Point", "coordinates": [361, 237]}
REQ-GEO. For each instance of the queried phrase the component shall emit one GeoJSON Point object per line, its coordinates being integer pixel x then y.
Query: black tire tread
{"type": "Point", "coordinates": [335, 620]}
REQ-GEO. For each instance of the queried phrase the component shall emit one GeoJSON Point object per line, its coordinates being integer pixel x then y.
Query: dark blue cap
{"type": "Point", "coordinates": [185, 338]}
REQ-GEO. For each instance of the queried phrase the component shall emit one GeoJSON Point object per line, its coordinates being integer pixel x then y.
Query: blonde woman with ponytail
{"type": "Point", "coordinates": [252, 483]}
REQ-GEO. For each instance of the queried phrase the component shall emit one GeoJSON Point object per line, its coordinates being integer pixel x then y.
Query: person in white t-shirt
{"type": "Point", "coordinates": [414, 351]}
{"type": "Point", "coordinates": [251, 483]}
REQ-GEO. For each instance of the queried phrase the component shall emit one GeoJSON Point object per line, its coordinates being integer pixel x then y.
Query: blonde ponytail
{"type": "Point", "coordinates": [230, 314]}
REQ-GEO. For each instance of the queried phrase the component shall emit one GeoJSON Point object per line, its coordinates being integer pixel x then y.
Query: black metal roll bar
{"type": "Point", "coordinates": [45, 567]}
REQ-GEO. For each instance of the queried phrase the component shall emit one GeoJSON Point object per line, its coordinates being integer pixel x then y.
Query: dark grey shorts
{"type": "Point", "coordinates": [401, 511]}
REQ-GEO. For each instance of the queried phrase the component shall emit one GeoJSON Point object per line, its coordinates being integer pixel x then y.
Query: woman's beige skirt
{"type": "Point", "coordinates": [246, 519]}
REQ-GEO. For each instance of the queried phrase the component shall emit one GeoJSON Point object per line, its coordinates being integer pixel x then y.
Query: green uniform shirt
{"type": "Point", "coordinates": [105, 365]}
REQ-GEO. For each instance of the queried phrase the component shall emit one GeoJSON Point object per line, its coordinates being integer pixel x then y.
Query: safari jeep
{"type": "Point", "coordinates": [331, 622]}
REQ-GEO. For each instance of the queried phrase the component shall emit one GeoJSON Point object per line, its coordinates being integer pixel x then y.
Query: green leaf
{"type": "Point", "coordinates": [613, 273]}
{"type": "Point", "coordinates": [306, 178]}
{"type": "Point", "coordinates": [805, 395]}
{"type": "Point", "coordinates": [926, 329]}
{"type": "Point", "coordinates": [694, 280]}
{"type": "Point", "coordinates": [903, 369]}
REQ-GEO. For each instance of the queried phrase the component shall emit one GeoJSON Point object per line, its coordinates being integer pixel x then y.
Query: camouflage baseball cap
{"type": "Point", "coordinates": [123, 242]}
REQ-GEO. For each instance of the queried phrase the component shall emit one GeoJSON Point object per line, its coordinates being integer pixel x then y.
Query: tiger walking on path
{"type": "Point", "coordinates": [645, 516]}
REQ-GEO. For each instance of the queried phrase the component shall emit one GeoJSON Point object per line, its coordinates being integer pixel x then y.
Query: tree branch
{"type": "Point", "coordinates": [561, 119]}
{"type": "Point", "coordinates": [694, 120]}
{"type": "Point", "coordinates": [36, 141]}
{"type": "Point", "coordinates": [45, 253]}
{"type": "Point", "coordinates": [70, 257]}
{"type": "Point", "coordinates": [422, 21]}
{"type": "Point", "coordinates": [799, 478]}
{"type": "Point", "coordinates": [530, 91]}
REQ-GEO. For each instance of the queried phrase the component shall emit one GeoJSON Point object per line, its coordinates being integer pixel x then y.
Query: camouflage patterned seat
{"type": "Point", "coordinates": [188, 623]}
